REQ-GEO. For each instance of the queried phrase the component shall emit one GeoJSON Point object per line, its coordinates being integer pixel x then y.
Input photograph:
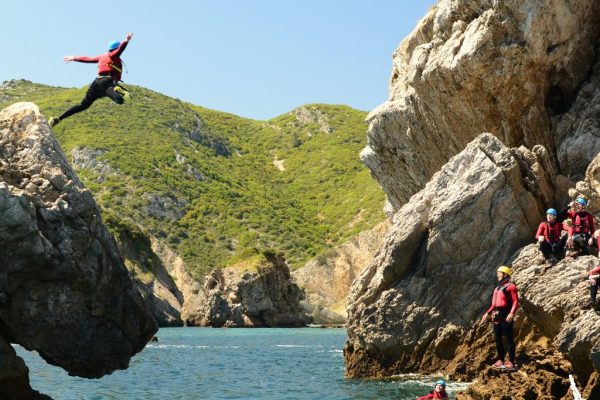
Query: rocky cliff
{"type": "Point", "coordinates": [326, 279]}
{"type": "Point", "coordinates": [417, 307]}
{"type": "Point", "coordinates": [510, 67]}
{"type": "Point", "coordinates": [255, 293]}
{"type": "Point", "coordinates": [526, 72]}
{"type": "Point", "coordinates": [64, 290]}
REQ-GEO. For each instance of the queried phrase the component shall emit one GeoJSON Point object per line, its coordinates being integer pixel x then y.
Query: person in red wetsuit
{"type": "Point", "coordinates": [594, 278]}
{"type": "Point", "coordinates": [106, 84]}
{"type": "Point", "coordinates": [439, 392]}
{"type": "Point", "coordinates": [550, 238]}
{"type": "Point", "coordinates": [505, 301]}
{"type": "Point", "coordinates": [581, 233]}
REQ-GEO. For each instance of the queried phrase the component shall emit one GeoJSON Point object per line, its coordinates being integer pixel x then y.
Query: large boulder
{"type": "Point", "coordinates": [432, 277]}
{"type": "Point", "coordinates": [254, 293]}
{"type": "Point", "coordinates": [505, 67]}
{"type": "Point", "coordinates": [64, 290]}
{"type": "Point", "coordinates": [417, 307]}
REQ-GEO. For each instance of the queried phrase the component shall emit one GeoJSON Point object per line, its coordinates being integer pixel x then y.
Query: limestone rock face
{"type": "Point", "coordinates": [433, 276]}
{"type": "Point", "coordinates": [191, 290]}
{"type": "Point", "coordinates": [64, 290]}
{"type": "Point", "coordinates": [577, 132]}
{"type": "Point", "coordinates": [505, 67]}
{"type": "Point", "coordinates": [151, 279]}
{"type": "Point", "coordinates": [326, 280]}
{"type": "Point", "coordinates": [258, 297]}
{"type": "Point", "coordinates": [590, 185]}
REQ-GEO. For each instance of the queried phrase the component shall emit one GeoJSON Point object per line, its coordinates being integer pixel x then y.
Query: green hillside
{"type": "Point", "coordinates": [214, 186]}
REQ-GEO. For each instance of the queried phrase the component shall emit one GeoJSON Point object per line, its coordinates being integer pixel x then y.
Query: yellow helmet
{"type": "Point", "coordinates": [505, 269]}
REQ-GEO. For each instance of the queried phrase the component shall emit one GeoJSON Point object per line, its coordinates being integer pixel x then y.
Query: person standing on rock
{"type": "Point", "coordinates": [550, 238]}
{"type": "Point", "coordinates": [439, 392]}
{"type": "Point", "coordinates": [505, 301]}
{"type": "Point", "coordinates": [106, 83]}
{"type": "Point", "coordinates": [581, 233]}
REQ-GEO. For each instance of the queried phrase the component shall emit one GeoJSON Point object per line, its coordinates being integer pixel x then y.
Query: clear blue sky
{"type": "Point", "coordinates": [257, 59]}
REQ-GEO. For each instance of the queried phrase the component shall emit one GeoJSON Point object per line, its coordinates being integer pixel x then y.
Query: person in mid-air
{"type": "Point", "coordinates": [106, 84]}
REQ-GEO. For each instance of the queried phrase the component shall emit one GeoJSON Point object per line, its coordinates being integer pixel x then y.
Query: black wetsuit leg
{"type": "Point", "coordinates": [580, 243]}
{"type": "Point", "coordinates": [498, 338]}
{"type": "Point", "coordinates": [505, 329]}
{"type": "Point", "coordinates": [594, 291]}
{"type": "Point", "coordinates": [546, 249]}
{"type": "Point", "coordinates": [101, 87]}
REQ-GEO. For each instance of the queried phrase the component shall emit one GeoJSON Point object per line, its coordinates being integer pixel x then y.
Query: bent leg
{"type": "Point", "coordinates": [593, 290]}
{"type": "Point", "coordinates": [546, 249]}
{"type": "Point", "coordinates": [114, 96]}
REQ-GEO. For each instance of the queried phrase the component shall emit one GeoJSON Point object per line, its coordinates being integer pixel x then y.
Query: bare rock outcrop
{"type": "Point", "coordinates": [327, 279]}
{"type": "Point", "coordinates": [473, 215]}
{"type": "Point", "coordinates": [255, 293]}
{"type": "Point", "coordinates": [151, 279]}
{"type": "Point", "coordinates": [64, 290]}
{"type": "Point", "coordinates": [417, 307]}
{"type": "Point", "coordinates": [190, 289]}
{"type": "Point", "coordinates": [505, 67]}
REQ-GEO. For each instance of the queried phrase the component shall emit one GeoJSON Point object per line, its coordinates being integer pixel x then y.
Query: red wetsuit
{"type": "Point", "coordinates": [595, 271]}
{"type": "Point", "coordinates": [434, 395]}
{"type": "Point", "coordinates": [500, 300]}
{"type": "Point", "coordinates": [583, 222]}
{"type": "Point", "coordinates": [109, 64]}
{"type": "Point", "coordinates": [551, 231]}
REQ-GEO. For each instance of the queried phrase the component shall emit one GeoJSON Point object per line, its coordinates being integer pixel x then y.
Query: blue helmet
{"type": "Point", "coordinates": [441, 382]}
{"type": "Point", "coordinates": [552, 211]}
{"type": "Point", "coordinates": [581, 201]}
{"type": "Point", "coordinates": [113, 45]}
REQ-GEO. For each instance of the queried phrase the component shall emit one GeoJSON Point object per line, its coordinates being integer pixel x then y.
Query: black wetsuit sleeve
{"type": "Point", "coordinates": [562, 215]}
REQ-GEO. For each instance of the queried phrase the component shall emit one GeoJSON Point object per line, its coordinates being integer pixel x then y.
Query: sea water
{"type": "Point", "coordinates": [208, 363]}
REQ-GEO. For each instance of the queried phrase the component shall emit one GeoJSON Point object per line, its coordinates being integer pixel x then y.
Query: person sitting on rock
{"type": "Point", "coordinates": [505, 301]}
{"type": "Point", "coordinates": [581, 233]}
{"type": "Point", "coordinates": [550, 238]}
{"type": "Point", "coordinates": [594, 278]}
{"type": "Point", "coordinates": [439, 392]}
{"type": "Point", "coordinates": [106, 84]}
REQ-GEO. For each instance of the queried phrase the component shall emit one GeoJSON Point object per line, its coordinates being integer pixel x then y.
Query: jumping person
{"type": "Point", "coordinates": [550, 238]}
{"type": "Point", "coordinates": [106, 84]}
{"type": "Point", "coordinates": [439, 392]}
{"type": "Point", "coordinates": [505, 301]}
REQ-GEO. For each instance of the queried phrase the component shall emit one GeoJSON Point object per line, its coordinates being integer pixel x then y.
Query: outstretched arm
{"type": "Point", "coordinates": [82, 59]}
{"type": "Point", "coordinates": [119, 50]}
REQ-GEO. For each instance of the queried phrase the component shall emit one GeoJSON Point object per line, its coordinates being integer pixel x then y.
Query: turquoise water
{"type": "Point", "coordinates": [205, 363]}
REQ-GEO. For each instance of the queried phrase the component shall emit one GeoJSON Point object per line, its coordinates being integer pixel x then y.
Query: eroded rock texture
{"type": "Point", "coordinates": [64, 290]}
{"type": "Point", "coordinates": [261, 295]}
{"type": "Point", "coordinates": [416, 308]}
{"type": "Point", "coordinates": [506, 67]}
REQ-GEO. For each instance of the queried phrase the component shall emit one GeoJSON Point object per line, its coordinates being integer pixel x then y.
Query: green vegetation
{"type": "Point", "coordinates": [206, 182]}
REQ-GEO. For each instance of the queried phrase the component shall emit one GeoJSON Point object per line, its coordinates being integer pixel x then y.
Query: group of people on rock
{"type": "Point", "coordinates": [572, 230]}
{"type": "Point", "coordinates": [578, 225]}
